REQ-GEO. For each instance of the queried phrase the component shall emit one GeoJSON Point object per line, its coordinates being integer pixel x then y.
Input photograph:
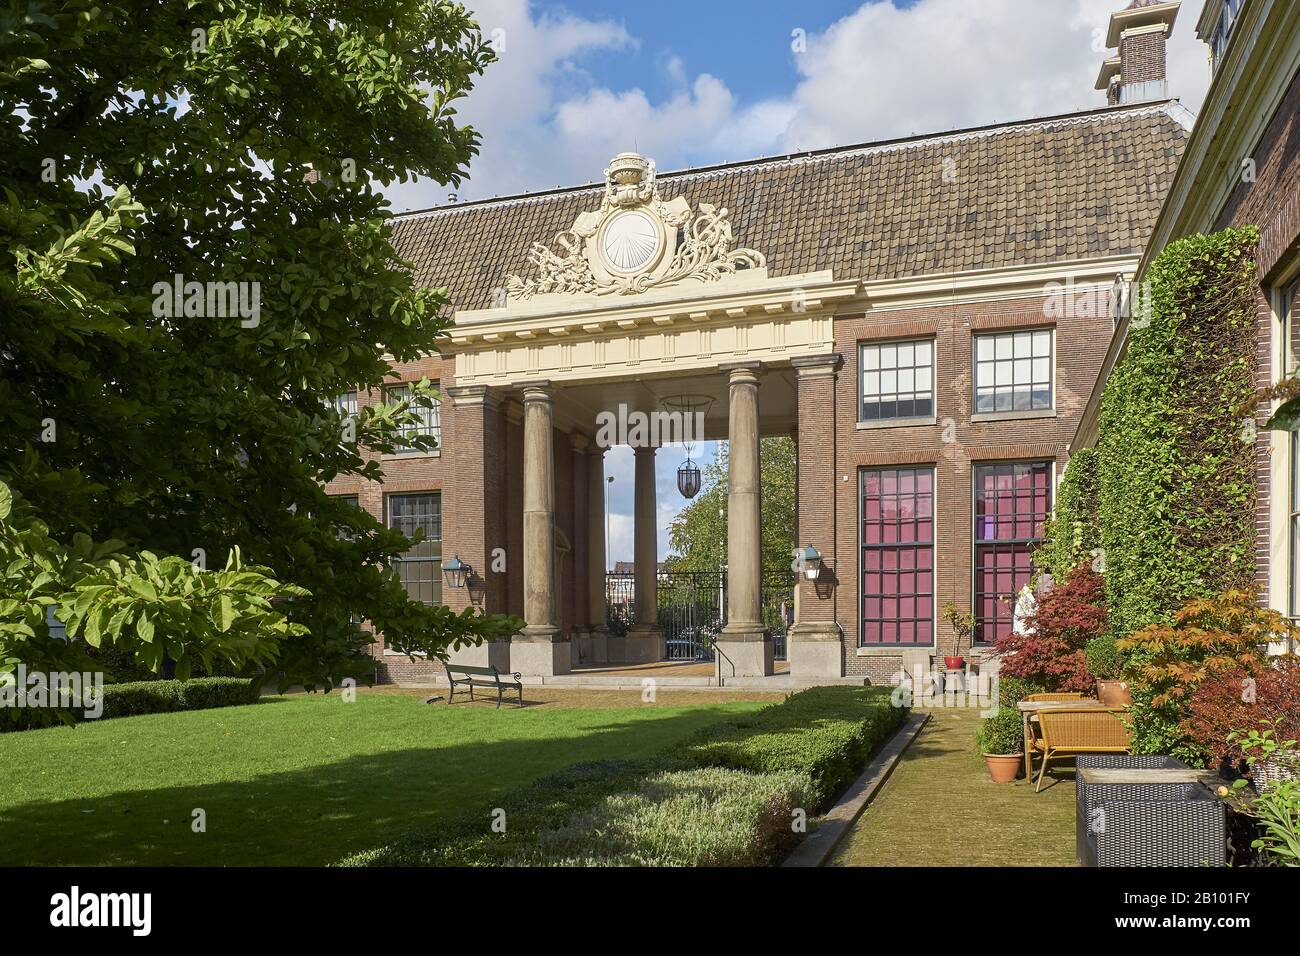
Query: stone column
{"type": "Point", "coordinates": [596, 555]}
{"type": "Point", "coordinates": [541, 649]}
{"type": "Point", "coordinates": [815, 645]}
{"type": "Point", "coordinates": [744, 642]}
{"type": "Point", "coordinates": [472, 526]}
{"type": "Point", "coordinates": [645, 642]}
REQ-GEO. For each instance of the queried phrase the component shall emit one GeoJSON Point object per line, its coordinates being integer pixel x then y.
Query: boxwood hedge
{"type": "Point", "coordinates": [144, 697]}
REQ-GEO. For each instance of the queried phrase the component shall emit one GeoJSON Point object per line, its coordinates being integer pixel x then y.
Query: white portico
{"type": "Point", "coordinates": [640, 299]}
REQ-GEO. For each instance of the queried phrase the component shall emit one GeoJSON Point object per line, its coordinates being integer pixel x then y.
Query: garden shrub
{"type": "Point", "coordinates": [752, 769]}
{"type": "Point", "coordinates": [1102, 656]}
{"type": "Point", "coordinates": [1176, 453]}
{"type": "Point", "coordinates": [1237, 699]}
{"type": "Point", "coordinates": [1012, 690]}
{"type": "Point", "coordinates": [1003, 733]}
{"type": "Point", "coordinates": [1167, 663]}
{"type": "Point", "coordinates": [1065, 618]}
{"type": "Point", "coordinates": [707, 816]}
{"type": "Point", "coordinates": [824, 732]}
{"type": "Point", "coordinates": [142, 697]}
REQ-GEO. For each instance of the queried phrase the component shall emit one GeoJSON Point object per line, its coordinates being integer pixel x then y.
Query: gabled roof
{"type": "Point", "coordinates": [1063, 188]}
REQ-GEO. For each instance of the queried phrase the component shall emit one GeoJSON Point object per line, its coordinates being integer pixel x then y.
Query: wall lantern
{"type": "Point", "coordinates": [688, 479]}
{"type": "Point", "coordinates": [456, 571]}
{"type": "Point", "coordinates": [811, 559]}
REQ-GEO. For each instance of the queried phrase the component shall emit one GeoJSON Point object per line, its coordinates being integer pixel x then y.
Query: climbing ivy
{"type": "Point", "coordinates": [1175, 457]}
{"type": "Point", "coordinates": [1071, 535]}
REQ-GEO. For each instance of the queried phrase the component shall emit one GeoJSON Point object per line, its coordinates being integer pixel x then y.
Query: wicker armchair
{"type": "Point", "coordinates": [1057, 696]}
{"type": "Point", "coordinates": [1070, 732]}
{"type": "Point", "coordinates": [1146, 824]}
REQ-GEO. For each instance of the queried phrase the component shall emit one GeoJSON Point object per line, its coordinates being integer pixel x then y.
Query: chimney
{"type": "Point", "coordinates": [1136, 74]}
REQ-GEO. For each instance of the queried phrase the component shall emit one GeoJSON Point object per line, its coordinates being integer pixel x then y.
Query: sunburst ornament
{"type": "Point", "coordinates": [630, 241]}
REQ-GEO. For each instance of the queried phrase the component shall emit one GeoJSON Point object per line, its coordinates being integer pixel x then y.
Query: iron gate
{"type": "Point", "coordinates": [693, 609]}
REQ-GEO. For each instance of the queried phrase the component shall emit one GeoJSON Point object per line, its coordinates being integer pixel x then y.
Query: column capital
{"type": "Point", "coordinates": [817, 366]}
{"type": "Point", "coordinates": [465, 395]}
{"type": "Point", "coordinates": [753, 368]}
{"type": "Point", "coordinates": [638, 450]}
{"type": "Point", "coordinates": [538, 390]}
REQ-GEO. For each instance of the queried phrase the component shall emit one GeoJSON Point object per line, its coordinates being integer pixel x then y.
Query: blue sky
{"type": "Point", "coordinates": [694, 83]}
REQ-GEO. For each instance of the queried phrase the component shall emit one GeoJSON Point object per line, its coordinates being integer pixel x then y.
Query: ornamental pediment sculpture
{"type": "Point", "coordinates": [635, 241]}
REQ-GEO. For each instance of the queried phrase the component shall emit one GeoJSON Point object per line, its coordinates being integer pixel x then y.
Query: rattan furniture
{"type": "Point", "coordinates": [1030, 706]}
{"type": "Point", "coordinates": [1146, 811]}
{"type": "Point", "coordinates": [1078, 731]}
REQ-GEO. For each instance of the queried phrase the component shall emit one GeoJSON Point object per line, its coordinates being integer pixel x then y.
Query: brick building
{"type": "Point", "coordinates": [927, 317]}
{"type": "Point", "coordinates": [1242, 166]}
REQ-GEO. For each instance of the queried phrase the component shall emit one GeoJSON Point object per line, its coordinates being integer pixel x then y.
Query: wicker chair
{"type": "Point", "coordinates": [1070, 732]}
{"type": "Point", "coordinates": [1146, 824]}
{"type": "Point", "coordinates": [1051, 697]}
{"type": "Point", "coordinates": [1034, 738]}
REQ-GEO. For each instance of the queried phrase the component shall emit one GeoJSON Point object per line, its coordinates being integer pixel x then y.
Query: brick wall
{"type": "Point", "coordinates": [1271, 202]}
{"type": "Point", "coordinates": [1142, 57]}
{"type": "Point", "coordinates": [950, 445]}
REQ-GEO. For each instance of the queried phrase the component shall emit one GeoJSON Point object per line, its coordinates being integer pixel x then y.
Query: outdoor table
{"type": "Point", "coordinates": [1029, 707]}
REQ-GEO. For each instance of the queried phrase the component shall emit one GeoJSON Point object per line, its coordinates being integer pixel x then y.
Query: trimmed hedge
{"type": "Point", "coordinates": [724, 798]}
{"type": "Point", "coordinates": [144, 697]}
{"type": "Point", "coordinates": [826, 733]}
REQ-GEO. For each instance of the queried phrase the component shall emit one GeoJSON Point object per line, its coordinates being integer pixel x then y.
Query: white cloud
{"type": "Point", "coordinates": [877, 73]}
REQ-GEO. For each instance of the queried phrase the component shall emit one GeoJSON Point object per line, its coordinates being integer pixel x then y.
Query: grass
{"type": "Point", "coordinates": [308, 779]}
{"type": "Point", "coordinates": [940, 809]}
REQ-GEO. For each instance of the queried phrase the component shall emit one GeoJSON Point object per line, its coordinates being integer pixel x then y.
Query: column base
{"type": "Point", "coordinates": [600, 644]}
{"type": "Point", "coordinates": [615, 650]}
{"type": "Point", "coordinates": [746, 650]}
{"type": "Point", "coordinates": [644, 644]}
{"type": "Point", "coordinates": [815, 650]}
{"type": "Point", "coordinates": [541, 651]}
{"type": "Point", "coordinates": [488, 654]}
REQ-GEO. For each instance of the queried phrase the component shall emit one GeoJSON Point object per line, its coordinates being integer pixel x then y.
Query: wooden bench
{"type": "Point", "coordinates": [1066, 732]}
{"type": "Point", "coordinates": [477, 677]}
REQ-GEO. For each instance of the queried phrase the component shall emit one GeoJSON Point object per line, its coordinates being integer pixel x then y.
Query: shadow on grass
{"type": "Point", "coordinates": [321, 813]}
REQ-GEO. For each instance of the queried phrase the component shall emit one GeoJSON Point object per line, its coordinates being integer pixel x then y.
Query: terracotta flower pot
{"type": "Point", "coordinates": [1114, 693]}
{"type": "Point", "coordinates": [953, 663]}
{"type": "Point", "coordinates": [1003, 767]}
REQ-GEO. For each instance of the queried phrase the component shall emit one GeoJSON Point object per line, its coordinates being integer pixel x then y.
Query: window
{"type": "Point", "coordinates": [1222, 30]}
{"type": "Point", "coordinates": [897, 556]}
{"type": "Point", "coordinates": [429, 417]}
{"type": "Point", "coordinates": [897, 380]}
{"type": "Point", "coordinates": [1013, 372]}
{"type": "Point", "coordinates": [346, 404]}
{"type": "Point", "coordinates": [1011, 503]}
{"type": "Point", "coordinates": [420, 568]}
{"type": "Point", "coordinates": [1286, 316]}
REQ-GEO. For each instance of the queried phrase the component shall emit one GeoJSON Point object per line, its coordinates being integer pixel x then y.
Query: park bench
{"type": "Point", "coordinates": [472, 677]}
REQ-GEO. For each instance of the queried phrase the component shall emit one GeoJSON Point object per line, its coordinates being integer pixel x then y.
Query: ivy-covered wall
{"type": "Point", "coordinates": [1168, 493]}
{"type": "Point", "coordinates": [1072, 535]}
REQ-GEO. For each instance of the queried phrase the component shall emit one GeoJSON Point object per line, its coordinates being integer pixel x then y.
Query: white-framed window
{"type": "Point", "coordinates": [1014, 372]}
{"type": "Point", "coordinates": [897, 380]}
{"type": "Point", "coordinates": [346, 404]}
{"type": "Point", "coordinates": [1286, 301]}
{"type": "Point", "coordinates": [429, 417]}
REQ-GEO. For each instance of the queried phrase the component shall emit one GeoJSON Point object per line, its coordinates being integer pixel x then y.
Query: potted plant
{"type": "Point", "coordinates": [1105, 664]}
{"type": "Point", "coordinates": [1271, 760]}
{"type": "Point", "coordinates": [963, 629]}
{"type": "Point", "coordinates": [1001, 739]}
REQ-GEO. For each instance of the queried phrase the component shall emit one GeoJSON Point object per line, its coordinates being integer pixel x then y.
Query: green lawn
{"type": "Point", "coordinates": [939, 808]}
{"type": "Point", "coordinates": [305, 779]}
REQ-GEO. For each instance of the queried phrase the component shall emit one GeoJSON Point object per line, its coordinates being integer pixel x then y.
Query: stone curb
{"type": "Point", "coordinates": [817, 847]}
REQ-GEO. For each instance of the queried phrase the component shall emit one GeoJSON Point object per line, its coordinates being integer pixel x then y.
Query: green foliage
{"type": "Point", "coordinates": [710, 816]}
{"type": "Point", "coordinates": [824, 732]}
{"type": "Point", "coordinates": [724, 798]}
{"type": "Point", "coordinates": [1003, 733]}
{"type": "Point", "coordinates": [1104, 659]}
{"type": "Point", "coordinates": [1176, 456]}
{"type": "Point", "coordinates": [1012, 690]}
{"type": "Point", "coordinates": [145, 697]}
{"type": "Point", "coordinates": [1277, 811]}
{"type": "Point", "coordinates": [1072, 533]}
{"type": "Point", "coordinates": [147, 141]}
{"type": "Point", "coordinates": [698, 535]}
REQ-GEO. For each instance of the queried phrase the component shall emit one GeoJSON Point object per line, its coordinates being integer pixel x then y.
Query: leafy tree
{"type": "Point", "coordinates": [698, 535]}
{"type": "Point", "coordinates": [231, 144]}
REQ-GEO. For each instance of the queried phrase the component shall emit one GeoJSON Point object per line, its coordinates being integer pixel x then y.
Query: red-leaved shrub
{"type": "Point", "coordinates": [1064, 619]}
{"type": "Point", "coordinates": [1238, 699]}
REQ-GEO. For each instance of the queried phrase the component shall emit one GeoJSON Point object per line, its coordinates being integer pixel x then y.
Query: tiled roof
{"type": "Point", "coordinates": [1064, 188]}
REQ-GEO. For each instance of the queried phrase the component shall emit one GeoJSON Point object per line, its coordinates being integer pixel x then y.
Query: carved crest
{"type": "Point", "coordinates": [634, 242]}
